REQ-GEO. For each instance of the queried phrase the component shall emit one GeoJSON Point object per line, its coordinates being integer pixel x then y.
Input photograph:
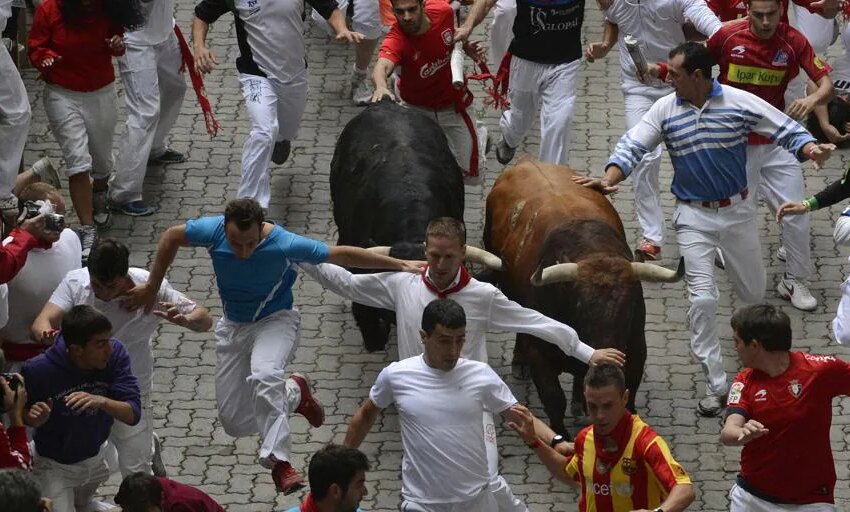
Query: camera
{"type": "Point", "coordinates": [52, 221]}
{"type": "Point", "coordinates": [14, 382]}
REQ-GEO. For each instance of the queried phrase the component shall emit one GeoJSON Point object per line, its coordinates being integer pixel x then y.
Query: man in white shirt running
{"type": "Point", "coordinates": [486, 307]}
{"type": "Point", "coordinates": [101, 285]}
{"type": "Point", "coordinates": [440, 398]}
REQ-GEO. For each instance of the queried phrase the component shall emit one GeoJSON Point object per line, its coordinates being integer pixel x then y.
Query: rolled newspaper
{"type": "Point", "coordinates": [633, 47]}
{"type": "Point", "coordinates": [457, 65]}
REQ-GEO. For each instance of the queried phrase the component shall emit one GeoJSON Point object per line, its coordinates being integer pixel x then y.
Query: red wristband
{"type": "Point", "coordinates": [809, 153]}
{"type": "Point", "coordinates": [536, 444]}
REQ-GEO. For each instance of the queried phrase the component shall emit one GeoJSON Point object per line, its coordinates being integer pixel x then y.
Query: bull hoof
{"type": "Point", "coordinates": [520, 371]}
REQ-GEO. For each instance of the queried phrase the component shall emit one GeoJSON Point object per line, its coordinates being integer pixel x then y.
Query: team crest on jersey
{"type": "Point", "coordinates": [818, 63]}
{"type": "Point", "coordinates": [735, 393]}
{"type": "Point", "coordinates": [780, 59]}
{"type": "Point", "coordinates": [447, 36]}
{"type": "Point", "coordinates": [629, 466]}
{"type": "Point", "coordinates": [795, 388]}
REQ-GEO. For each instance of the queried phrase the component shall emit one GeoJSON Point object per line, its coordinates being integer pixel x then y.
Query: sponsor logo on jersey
{"type": "Point", "coordinates": [431, 68]}
{"type": "Point", "coordinates": [738, 51]}
{"type": "Point", "coordinates": [795, 388]}
{"type": "Point", "coordinates": [735, 393]}
{"type": "Point", "coordinates": [818, 63]}
{"type": "Point", "coordinates": [761, 395]}
{"type": "Point", "coordinates": [740, 5]}
{"type": "Point", "coordinates": [780, 59]}
{"type": "Point", "coordinates": [753, 75]}
{"type": "Point", "coordinates": [447, 36]}
{"type": "Point", "coordinates": [622, 489]}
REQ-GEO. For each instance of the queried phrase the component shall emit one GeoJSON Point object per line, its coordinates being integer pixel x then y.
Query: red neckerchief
{"type": "Point", "coordinates": [461, 283]}
{"type": "Point", "coordinates": [620, 435]}
{"type": "Point", "coordinates": [188, 62]}
{"type": "Point", "coordinates": [309, 504]}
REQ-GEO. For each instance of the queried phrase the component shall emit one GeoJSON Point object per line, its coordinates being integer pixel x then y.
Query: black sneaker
{"type": "Point", "coordinates": [280, 153]}
{"type": "Point", "coordinates": [100, 205]}
{"type": "Point", "coordinates": [504, 153]}
{"type": "Point", "coordinates": [169, 157]}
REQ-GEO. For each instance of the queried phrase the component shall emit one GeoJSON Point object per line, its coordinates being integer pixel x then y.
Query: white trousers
{"type": "Point", "coordinates": [15, 118]}
{"type": "Point", "coordinates": [821, 32]}
{"type": "Point", "coordinates": [645, 175]}
{"type": "Point", "coordinates": [501, 31]}
{"type": "Point", "coordinates": [743, 501]}
{"type": "Point", "coordinates": [553, 88]}
{"type": "Point", "coordinates": [153, 91]}
{"type": "Point", "coordinates": [485, 501]}
{"type": "Point", "coordinates": [778, 178]}
{"type": "Point", "coordinates": [71, 486]}
{"type": "Point", "coordinates": [700, 231]}
{"type": "Point", "coordinates": [365, 17]}
{"type": "Point", "coordinates": [252, 393]}
{"type": "Point", "coordinates": [506, 501]}
{"type": "Point", "coordinates": [459, 136]}
{"type": "Point", "coordinates": [274, 109]}
{"type": "Point", "coordinates": [83, 124]}
{"type": "Point", "coordinates": [134, 443]}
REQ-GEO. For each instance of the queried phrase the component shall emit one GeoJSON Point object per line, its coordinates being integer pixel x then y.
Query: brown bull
{"type": "Point", "coordinates": [570, 242]}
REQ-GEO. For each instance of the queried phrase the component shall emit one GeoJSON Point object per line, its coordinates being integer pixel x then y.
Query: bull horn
{"type": "Point", "coordinates": [559, 273]}
{"type": "Point", "coordinates": [658, 274]}
{"type": "Point", "coordinates": [482, 257]}
{"type": "Point", "coordinates": [380, 249]}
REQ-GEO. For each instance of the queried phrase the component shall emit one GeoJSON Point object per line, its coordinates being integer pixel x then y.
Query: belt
{"type": "Point", "coordinates": [720, 203]}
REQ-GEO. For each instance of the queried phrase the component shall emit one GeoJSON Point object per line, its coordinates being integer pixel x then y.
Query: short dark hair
{"type": "Point", "coordinates": [445, 312]}
{"type": "Point", "coordinates": [603, 375]}
{"type": "Point", "coordinates": [765, 323]}
{"type": "Point", "coordinates": [109, 260]}
{"type": "Point", "coordinates": [138, 492]}
{"type": "Point", "coordinates": [19, 491]}
{"type": "Point", "coordinates": [447, 227]}
{"type": "Point", "coordinates": [244, 212]}
{"type": "Point", "coordinates": [83, 322]}
{"type": "Point", "coordinates": [696, 56]}
{"type": "Point", "coordinates": [334, 464]}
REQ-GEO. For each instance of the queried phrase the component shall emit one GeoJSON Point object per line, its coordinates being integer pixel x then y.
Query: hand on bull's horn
{"type": "Point", "coordinates": [607, 356]}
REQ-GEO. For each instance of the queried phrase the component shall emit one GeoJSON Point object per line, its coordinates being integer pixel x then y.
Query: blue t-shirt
{"type": "Point", "coordinates": [256, 287]}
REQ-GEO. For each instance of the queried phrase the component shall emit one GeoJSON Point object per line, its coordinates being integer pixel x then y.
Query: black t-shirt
{"type": "Point", "coordinates": [548, 31]}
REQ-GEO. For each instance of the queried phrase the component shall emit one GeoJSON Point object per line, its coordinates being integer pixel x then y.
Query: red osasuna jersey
{"type": "Point", "coordinates": [728, 10]}
{"type": "Point", "coordinates": [426, 77]}
{"type": "Point", "coordinates": [793, 462]}
{"type": "Point", "coordinates": [630, 469]}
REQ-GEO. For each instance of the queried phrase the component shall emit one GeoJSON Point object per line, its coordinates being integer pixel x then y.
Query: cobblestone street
{"type": "Point", "coordinates": [196, 449]}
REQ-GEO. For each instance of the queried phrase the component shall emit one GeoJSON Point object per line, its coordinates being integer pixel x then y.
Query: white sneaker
{"type": "Point", "coordinates": [46, 172]}
{"type": "Point", "coordinates": [781, 253]}
{"type": "Point", "coordinates": [797, 292]}
{"type": "Point", "coordinates": [361, 89]}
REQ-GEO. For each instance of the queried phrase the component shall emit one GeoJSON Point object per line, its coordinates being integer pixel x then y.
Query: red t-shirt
{"type": "Point", "coordinates": [763, 67]}
{"type": "Point", "coordinates": [728, 10]}
{"type": "Point", "coordinates": [426, 77]}
{"type": "Point", "coordinates": [177, 497]}
{"type": "Point", "coordinates": [86, 60]}
{"type": "Point", "coordinates": [793, 462]}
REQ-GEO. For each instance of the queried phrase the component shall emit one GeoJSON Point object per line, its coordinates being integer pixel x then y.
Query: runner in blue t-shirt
{"type": "Point", "coordinates": [254, 265]}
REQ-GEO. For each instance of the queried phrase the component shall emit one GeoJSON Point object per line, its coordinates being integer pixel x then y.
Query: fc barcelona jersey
{"type": "Point", "coordinates": [628, 470]}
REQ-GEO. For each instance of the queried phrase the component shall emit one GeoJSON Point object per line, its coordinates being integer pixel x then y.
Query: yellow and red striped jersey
{"type": "Point", "coordinates": [630, 469]}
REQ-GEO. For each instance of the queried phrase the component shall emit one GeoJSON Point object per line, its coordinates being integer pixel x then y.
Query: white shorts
{"type": "Point", "coordinates": [742, 501]}
{"type": "Point", "coordinates": [365, 17]}
{"type": "Point", "coordinates": [83, 123]}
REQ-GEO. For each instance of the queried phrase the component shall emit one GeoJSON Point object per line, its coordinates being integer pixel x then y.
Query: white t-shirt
{"type": "Point", "coordinates": [30, 289]}
{"type": "Point", "coordinates": [133, 328]}
{"type": "Point", "coordinates": [841, 66]}
{"type": "Point", "coordinates": [159, 23]}
{"type": "Point", "coordinates": [445, 460]}
{"type": "Point", "coordinates": [4, 305]}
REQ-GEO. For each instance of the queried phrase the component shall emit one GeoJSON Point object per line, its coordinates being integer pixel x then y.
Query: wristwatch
{"type": "Point", "coordinates": [558, 439]}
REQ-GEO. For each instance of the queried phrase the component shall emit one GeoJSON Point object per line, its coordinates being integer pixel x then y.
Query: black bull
{"type": "Point", "coordinates": [392, 172]}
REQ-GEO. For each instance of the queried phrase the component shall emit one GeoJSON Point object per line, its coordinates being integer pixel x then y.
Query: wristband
{"type": "Point", "coordinates": [809, 153]}
{"type": "Point", "coordinates": [536, 444]}
{"type": "Point", "coordinates": [811, 204]}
